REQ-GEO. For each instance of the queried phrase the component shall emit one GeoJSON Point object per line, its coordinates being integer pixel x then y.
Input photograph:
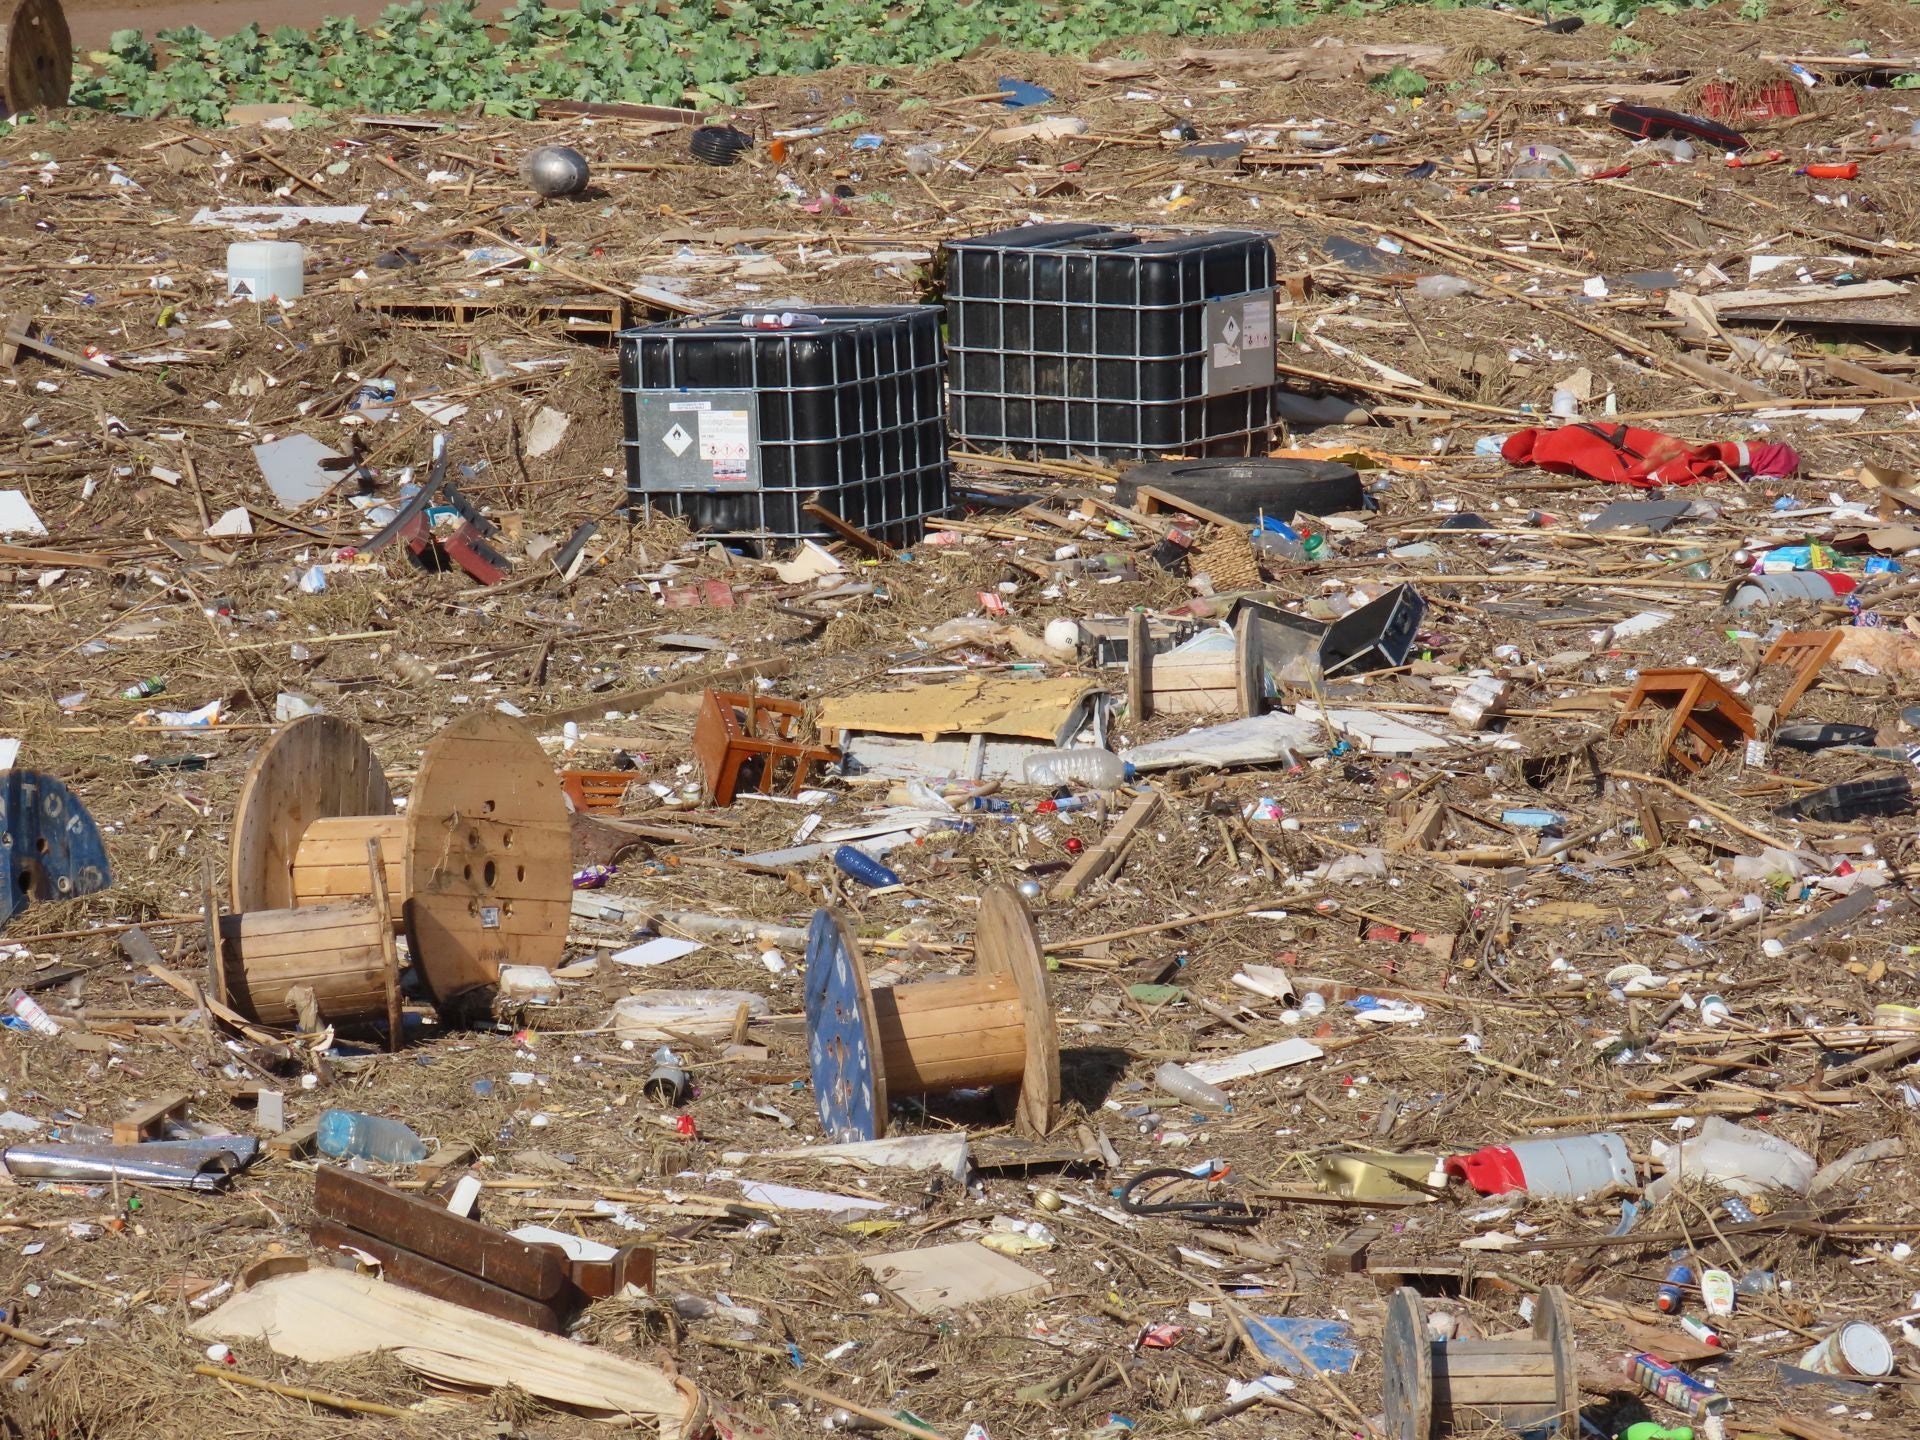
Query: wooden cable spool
{"type": "Point", "coordinates": [1438, 1388]}
{"type": "Point", "coordinates": [479, 867]}
{"type": "Point", "coordinates": [338, 958]}
{"type": "Point", "coordinates": [994, 1027]}
{"type": "Point", "coordinates": [36, 55]}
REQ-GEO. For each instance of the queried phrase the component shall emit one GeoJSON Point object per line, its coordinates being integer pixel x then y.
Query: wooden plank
{"type": "Point", "coordinates": [852, 534]}
{"type": "Point", "coordinates": [1099, 858]}
{"type": "Point", "coordinates": [53, 559]}
{"type": "Point", "coordinates": [1886, 1059]}
{"type": "Point", "coordinates": [425, 1228]}
{"type": "Point", "coordinates": [403, 1267]}
{"type": "Point", "coordinates": [147, 1122]}
{"type": "Point", "coordinates": [1848, 373]}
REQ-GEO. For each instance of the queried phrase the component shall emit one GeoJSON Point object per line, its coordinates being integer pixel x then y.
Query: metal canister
{"type": "Point", "coordinates": [1672, 1293]}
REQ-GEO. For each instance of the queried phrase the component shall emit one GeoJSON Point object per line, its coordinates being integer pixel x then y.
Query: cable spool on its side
{"type": "Point", "coordinates": [992, 1028]}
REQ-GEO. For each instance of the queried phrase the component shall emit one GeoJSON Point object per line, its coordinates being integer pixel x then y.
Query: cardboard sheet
{"type": "Point", "coordinates": [1048, 709]}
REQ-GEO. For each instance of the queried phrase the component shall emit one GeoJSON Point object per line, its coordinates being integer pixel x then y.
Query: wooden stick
{"type": "Point", "coordinates": [25, 1337]}
{"type": "Point", "coordinates": [1733, 821]}
{"type": "Point", "coordinates": [301, 1392]}
{"type": "Point", "coordinates": [879, 1417]}
{"type": "Point", "coordinates": [1603, 582]}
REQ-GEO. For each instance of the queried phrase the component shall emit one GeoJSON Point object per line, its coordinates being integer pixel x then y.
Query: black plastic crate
{"type": "Point", "coordinates": [736, 427]}
{"type": "Point", "coordinates": [1084, 339]}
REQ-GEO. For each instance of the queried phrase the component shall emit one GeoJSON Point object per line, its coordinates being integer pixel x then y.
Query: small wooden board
{"type": "Point", "coordinates": [297, 1143]}
{"type": "Point", "coordinates": [317, 768]}
{"type": "Point", "coordinates": [491, 856]}
{"type": "Point", "coordinates": [149, 1120]}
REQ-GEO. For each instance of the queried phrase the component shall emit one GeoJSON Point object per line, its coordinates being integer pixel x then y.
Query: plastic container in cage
{"type": "Point", "coordinates": [1083, 339]}
{"type": "Point", "coordinates": [735, 421]}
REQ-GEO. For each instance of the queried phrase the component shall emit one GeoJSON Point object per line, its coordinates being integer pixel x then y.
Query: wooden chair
{"type": "Point", "coordinates": [736, 728]}
{"type": "Point", "coordinates": [1707, 717]}
{"type": "Point", "coordinates": [1806, 652]}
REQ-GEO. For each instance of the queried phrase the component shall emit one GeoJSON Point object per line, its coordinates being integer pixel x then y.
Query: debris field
{"type": "Point", "coordinates": [1471, 986]}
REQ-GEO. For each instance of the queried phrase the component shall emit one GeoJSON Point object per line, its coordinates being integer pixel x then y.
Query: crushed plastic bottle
{"type": "Point", "coordinates": [1543, 162]}
{"type": "Point", "coordinates": [348, 1134]}
{"type": "Point", "coordinates": [1443, 287]}
{"type": "Point", "coordinates": [1079, 765]}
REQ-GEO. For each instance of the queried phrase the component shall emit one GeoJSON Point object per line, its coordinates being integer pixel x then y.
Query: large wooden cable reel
{"type": "Point", "coordinates": [478, 867]}
{"type": "Point", "coordinates": [36, 55]}
{"type": "Point", "coordinates": [992, 1028]}
{"type": "Point", "coordinates": [1433, 1390]}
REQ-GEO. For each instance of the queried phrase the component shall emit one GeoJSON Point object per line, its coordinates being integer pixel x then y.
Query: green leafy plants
{"type": "Point", "coordinates": [449, 60]}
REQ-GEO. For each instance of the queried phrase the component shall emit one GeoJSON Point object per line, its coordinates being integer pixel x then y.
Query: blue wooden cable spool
{"type": "Point", "coordinates": [994, 1027]}
{"type": "Point", "coordinates": [49, 846]}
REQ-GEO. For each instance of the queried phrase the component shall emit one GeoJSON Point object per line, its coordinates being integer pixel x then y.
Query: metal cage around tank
{"type": "Point", "coordinates": [1079, 339]}
{"type": "Point", "coordinates": [736, 427]}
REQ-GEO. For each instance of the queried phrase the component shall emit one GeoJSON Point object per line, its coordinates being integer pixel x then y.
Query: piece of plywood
{"type": "Point", "coordinates": [325, 1314]}
{"type": "Point", "coordinates": [952, 1277]}
{"type": "Point", "coordinates": [1037, 709]}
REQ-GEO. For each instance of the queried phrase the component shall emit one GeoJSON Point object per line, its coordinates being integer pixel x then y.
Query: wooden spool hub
{"type": "Point", "coordinates": [479, 867]}
{"type": "Point", "coordinates": [994, 1027]}
{"type": "Point", "coordinates": [36, 55]}
{"type": "Point", "coordinates": [1433, 1389]}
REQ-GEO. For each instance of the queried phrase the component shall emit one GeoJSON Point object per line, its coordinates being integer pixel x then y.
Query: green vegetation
{"type": "Point", "coordinates": [444, 60]}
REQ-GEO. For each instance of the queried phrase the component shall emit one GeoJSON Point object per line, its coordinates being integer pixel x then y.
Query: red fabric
{"type": "Point", "coordinates": [1623, 455]}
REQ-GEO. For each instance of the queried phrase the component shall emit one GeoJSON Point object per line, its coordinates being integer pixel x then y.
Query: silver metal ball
{"type": "Point", "coordinates": [555, 170]}
{"type": "Point", "coordinates": [1029, 890]}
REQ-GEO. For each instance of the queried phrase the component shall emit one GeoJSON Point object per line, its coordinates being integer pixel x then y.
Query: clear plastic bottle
{"type": "Point", "coordinates": [1081, 765]}
{"type": "Point", "coordinates": [1443, 287]}
{"type": "Point", "coordinates": [1183, 1084]}
{"type": "Point", "coordinates": [348, 1134]}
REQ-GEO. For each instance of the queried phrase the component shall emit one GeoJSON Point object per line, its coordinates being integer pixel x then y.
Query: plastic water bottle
{"type": "Point", "coordinates": [347, 1135]}
{"type": "Point", "coordinates": [1183, 1084]}
{"type": "Point", "coordinates": [856, 864]}
{"type": "Point", "coordinates": [1081, 765]}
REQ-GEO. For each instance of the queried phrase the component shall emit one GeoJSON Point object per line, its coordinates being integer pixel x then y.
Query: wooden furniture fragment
{"type": "Point", "coordinates": [597, 789]}
{"type": "Point", "coordinates": [994, 1027]}
{"type": "Point", "coordinates": [1806, 653]}
{"type": "Point", "coordinates": [1439, 1388]}
{"type": "Point", "coordinates": [736, 729]}
{"type": "Point", "coordinates": [423, 1246]}
{"type": "Point", "coordinates": [479, 869]}
{"type": "Point", "coordinates": [149, 1121]}
{"type": "Point", "coordinates": [1707, 717]}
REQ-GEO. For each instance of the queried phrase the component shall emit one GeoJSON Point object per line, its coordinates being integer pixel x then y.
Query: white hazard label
{"type": "Point", "coordinates": [1230, 332]}
{"type": "Point", "coordinates": [677, 440]}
